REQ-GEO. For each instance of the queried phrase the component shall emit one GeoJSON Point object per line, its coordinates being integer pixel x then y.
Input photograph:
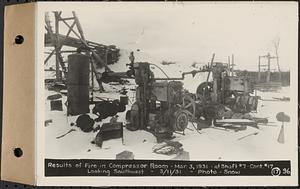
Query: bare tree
{"type": "Point", "coordinates": [276, 45]}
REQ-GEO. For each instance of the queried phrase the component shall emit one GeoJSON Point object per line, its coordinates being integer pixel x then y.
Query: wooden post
{"type": "Point", "coordinates": [279, 71]}
{"type": "Point", "coordinates": [232, 64]}
{"type": "Point", "coordinates": [92, 76]}
{"type": "Point", "coordinates": [229, 66]}
{"type": "Point", "coordinates": [106, 53]}
{"type": "Point", "coordinates": [277, 60]}
{"type": "Point", "coordinates": [269, 64]}
{"type": "Point", "coordinates": [258, 76]}
{"type": "Point", "coordinates": [211, 64]}
{"type": "Point", "coordinates": [58, 72]}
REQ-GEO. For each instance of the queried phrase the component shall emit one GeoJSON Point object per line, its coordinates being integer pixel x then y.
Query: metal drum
{"type": "Point", "coordinates": [78, 84]}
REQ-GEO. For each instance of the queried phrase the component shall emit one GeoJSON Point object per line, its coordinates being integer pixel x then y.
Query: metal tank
{"type": "Point", "coordinates": [78, 84]}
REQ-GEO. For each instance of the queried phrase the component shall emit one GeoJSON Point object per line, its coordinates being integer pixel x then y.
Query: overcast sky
{"type": "Point", "coordinates": [188, 32]}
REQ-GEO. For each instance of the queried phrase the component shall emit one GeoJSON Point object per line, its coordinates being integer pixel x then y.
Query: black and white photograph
{"type": "Point", "coordinates": [176, 81]}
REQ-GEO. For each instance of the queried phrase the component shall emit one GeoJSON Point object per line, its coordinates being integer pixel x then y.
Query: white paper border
{"type": "Point", "coordinates": [42, 7]}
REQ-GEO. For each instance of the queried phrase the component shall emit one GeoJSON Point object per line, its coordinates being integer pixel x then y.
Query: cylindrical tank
{"type": "Point", "coordinates": [78, 84]}
{"type": "Point", "coordinates": [124, 100]}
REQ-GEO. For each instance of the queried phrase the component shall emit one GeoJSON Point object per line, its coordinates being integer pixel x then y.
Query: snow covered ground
{"type": "Point", "coordinates": [212, 144]}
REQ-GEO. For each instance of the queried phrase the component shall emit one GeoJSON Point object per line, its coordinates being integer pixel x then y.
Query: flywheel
{"type": "Point", "coordinates": [181, 120]}
{"type": "Point", "coordinates": [188, 104]}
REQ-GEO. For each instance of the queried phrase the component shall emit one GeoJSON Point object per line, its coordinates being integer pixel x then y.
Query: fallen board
{"type": "Point", "coordinates": [236, 121]}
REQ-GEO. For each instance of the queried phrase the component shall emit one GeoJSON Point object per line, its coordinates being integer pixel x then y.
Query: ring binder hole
{"type": "Point", "coordinates": [19, 39]}
{"type": "Point", "coordinates": [18, 152]}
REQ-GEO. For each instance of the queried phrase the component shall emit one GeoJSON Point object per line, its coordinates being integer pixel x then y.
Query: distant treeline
{"type": "Point", "coordinates": [274, 77]}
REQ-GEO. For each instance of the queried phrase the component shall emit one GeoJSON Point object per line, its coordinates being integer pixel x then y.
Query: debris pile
{"type": "Point", "coordinates": [125, 155]}
{"type": "Point", "coordinates": [107, 108]}
{"type": "Point", "coordinates": [109, 131]}
{"type": "Point", "coordinates": [168, 147]}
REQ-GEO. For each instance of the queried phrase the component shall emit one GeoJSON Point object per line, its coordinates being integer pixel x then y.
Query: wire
{"type": "Point", "coordinates": [160, 69]}
{"type": "Point", "coordinates": [130, 100]}
{"type": "Point", "coordinates": [196, 128]}
{"type": "Point", "coordinates": [155, 64]}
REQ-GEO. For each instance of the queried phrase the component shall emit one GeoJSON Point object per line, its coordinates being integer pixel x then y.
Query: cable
{"type": "Point", "coordinates": [160, 69]}
{"type": "Point", "coordinates": [196, 128]}
{"type": "Point", "coordinates": [156, 65]}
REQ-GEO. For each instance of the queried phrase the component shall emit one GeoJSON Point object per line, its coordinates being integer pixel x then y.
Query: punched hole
{"type": "Point", "coordinates": [18, 152]}
{"type": "Point", "coordinates": [19, 39]}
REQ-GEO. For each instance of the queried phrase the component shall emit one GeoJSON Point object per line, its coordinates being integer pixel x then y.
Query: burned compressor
{"type": "Point", "coordinates": [157, 104]}
{"type": "Point", "coordinates": [225, 91]}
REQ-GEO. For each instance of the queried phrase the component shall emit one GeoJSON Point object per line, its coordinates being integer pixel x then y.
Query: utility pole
{"type": "Point", "coordinates": [268, 57]}
{"type": "Point", "coordinates": [268, 70]}
{"type": "Point", "coordinates": [232, 64]}
{"type": "Point", "coordinates": [229, 66]}
{"type": "Point", "coordinates": [259, 74]}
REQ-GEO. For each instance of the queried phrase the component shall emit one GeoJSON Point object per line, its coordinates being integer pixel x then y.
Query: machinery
{"type": "Point", "coordinates": [225, 92]}
{"type": "Point", "coordinates": [157, 107]}
{"type": "Point", "coordinates": [163, 107]}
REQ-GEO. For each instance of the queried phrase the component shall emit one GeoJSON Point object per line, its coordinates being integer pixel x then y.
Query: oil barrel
{"type": "Point", "coordinates": [78, 84]}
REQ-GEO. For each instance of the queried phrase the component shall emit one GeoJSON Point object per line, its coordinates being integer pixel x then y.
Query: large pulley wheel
{"type": "Point", "coordinates": [203, 91]}
{"type": "Point", "coordinates": [188, 104]}
{"type": "Point", "coordinates": [181, 120]}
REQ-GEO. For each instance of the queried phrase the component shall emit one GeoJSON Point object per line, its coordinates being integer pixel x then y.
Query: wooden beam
{"type": "Point", "coordinates": [70, 18]}
{"type": "Point", "coordinates": [72, 26]}
{"type": "Point", "coordinates": [66, 23]}
{"type": "Point", "coordinates": [58, 73]}
{"type": "Point", "coordinates": [49, 56]}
